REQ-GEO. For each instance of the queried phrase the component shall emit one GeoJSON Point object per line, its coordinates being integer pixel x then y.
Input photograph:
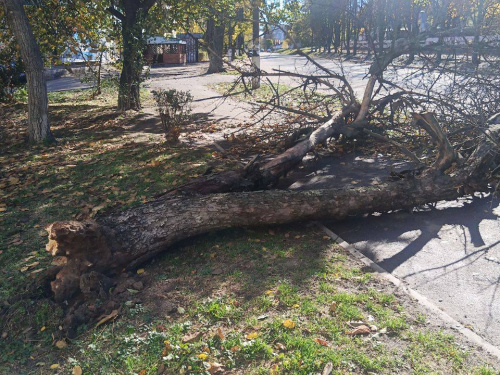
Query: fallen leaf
{"type": "Point", "coordinates": [280, 347]}
{"type": "Point", "coordinates": [42, 329]}
{"type": "Point", "coordinates": [54, 366]}
{"type": "Point", "coordinates": [220, 334]}
{"type": "Point", "coordinates": [192, 337]}
{"type": "Point", "coordinates": [166, 348]}
{"type": "Point", "coordinates": [296, 306]}
{"type": "Point", "coordinates": [61, 344]}
{"type": "Point", "coordinates": [203, 356]}
{"type": "Point", "coordinates": [215, 368]}
{"type": "Point", "coordinates": [107, 318]}
{"type": "Point", "coordinates": [143, 372]}
{"type": "Point", "coordinates": [77, 370]}
{"type": "Point", "coordinates": [361, 330]}
{"type": "Point", "coordinates": [328, 369]}
{"type": "Point", "coordinates": [290, 324]}
{"type": "Point", "coordinates": [140, 271]}
{"type": "Point", "coordinates": [252, 335]}
{"type": "Point", "coordinates": [321, 341]}
{"type": "Point", "coordinates": [3, 209]}
{"type": "Point", "coordinates": [333, 307]}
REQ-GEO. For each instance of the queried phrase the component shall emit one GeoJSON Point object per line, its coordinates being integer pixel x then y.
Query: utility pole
{"type": "Point", "coordinates": [256, 43]}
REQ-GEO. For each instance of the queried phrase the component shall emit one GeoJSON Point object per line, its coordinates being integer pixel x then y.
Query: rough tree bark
{"type": "Point", "coordinates": [38, 108]}
{"type": "Point", "coordinates": [214, 38]}
{"type": "Point", "coordinates": [130, 78]}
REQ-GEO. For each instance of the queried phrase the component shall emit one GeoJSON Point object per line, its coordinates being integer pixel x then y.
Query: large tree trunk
{"type": "Point", "coordinates": [130, 77]}
{"type": "Point", "coordinates": [134, 13]}
{"type": "Point", "coordinates": [214, 37]}
{"type": "Point", "coordinates": [123, 241]}
{"type": "Point", "coordinates": [38, 111]}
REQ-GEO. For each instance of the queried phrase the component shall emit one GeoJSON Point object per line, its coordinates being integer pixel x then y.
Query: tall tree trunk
{"type": "Point", "coordinates": [131, 19]}
{"type": "Point", "coordinates": [130, 77]}
{"type": "Point", "coordinates": [38, 104]}
{"type": "Point", "coordinates": [215, 41]}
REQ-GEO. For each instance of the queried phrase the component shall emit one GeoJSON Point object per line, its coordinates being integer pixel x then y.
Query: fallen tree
{"type": "Point", "coordinates": [91, 257]}
{"type": "Point", "coordinates": [90, 254]}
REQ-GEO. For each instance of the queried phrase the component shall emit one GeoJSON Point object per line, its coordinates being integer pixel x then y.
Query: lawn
{"type": "Point", "coordinates": [280, 300]}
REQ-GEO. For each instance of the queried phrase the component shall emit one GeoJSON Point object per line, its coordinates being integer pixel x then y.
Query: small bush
{"type": "Point", "coordinates": [174, 108]}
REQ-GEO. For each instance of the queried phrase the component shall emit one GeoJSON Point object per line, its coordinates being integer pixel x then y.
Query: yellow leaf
{"type": "Point", "coordinates": [296, 306]}
{"type": "Point", "coordinates": [77, 370]}
{"type": "Point", "coordinates": [140, 271]}
{"type": "Point", "coordinates": [252, 335]}
{"type": "Point", "coordinates": [42, 329]}
{"type": "Point", "coordinates": [3, 209]}
{"type": "Point", "coordinates": [269, 292]}
{"type": "Point", "coordinates": [202, 356]}
{"type": "Point", "coordinates": [290, 324]}
{"type": "Point", "coordinates": [54, 366]}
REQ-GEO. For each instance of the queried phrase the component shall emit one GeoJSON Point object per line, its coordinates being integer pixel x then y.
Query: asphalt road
{"type": "Point", "coordinates": [66, 84]}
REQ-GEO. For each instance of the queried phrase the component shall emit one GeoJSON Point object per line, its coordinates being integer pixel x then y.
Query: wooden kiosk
{"type": "Point", "coordinates": [165, 51]}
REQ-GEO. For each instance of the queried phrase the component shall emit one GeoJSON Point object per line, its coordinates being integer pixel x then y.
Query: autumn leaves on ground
{"type": "Point", "coordinates": [281, 300]}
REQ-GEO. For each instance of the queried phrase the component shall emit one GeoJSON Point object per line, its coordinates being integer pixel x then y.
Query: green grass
{"type": "Point", "coordinates": [283, 300]}
{"type": "Point", "coordinates": [240, 315]}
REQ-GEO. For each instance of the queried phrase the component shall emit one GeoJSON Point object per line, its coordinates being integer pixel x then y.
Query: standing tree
{"type": "Point", "coordinates": [214, 37]}
{"type": "Point", "coordinates": [132, 14]}
{"type": "Point", "coordinates": [38, 111]}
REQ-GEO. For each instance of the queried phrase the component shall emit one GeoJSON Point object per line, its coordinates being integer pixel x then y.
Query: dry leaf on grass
{"type": "Point", "coordinates": [321, 341]}
{"type": "Point", "coordinates": [215, 368]}
{"type": "Point", "coordinates": [192, 337]}
{"type": "Point", "coordinates": [361, 330]}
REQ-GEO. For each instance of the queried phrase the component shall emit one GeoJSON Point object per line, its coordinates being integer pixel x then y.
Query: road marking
{"type": "Point", "coordinates": [472, 336]}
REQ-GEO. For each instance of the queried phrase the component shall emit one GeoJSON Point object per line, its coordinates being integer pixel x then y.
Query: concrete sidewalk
{"type": "Point", "coordinates": [449, 253]}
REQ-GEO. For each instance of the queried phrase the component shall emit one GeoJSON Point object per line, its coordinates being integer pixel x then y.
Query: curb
{"type": "Point", "coordinates": [421, 299]}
